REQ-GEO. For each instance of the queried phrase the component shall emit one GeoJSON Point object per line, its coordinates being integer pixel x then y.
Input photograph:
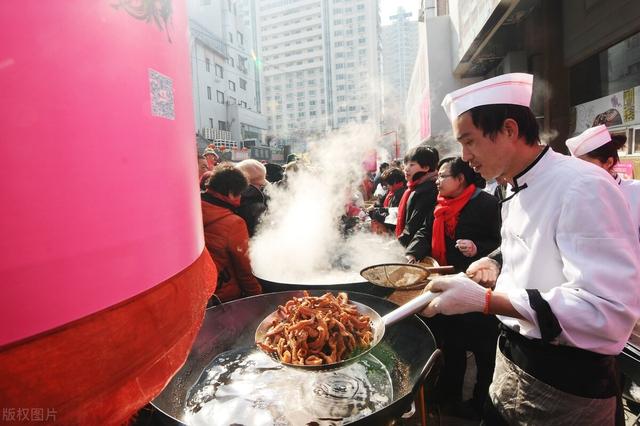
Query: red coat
{"type": "Point", "coordinates": [227, 239]}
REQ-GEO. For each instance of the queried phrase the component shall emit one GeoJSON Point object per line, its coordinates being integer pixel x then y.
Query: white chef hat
{"type": "Point", "coordinates": [588, 140]}
{"type": "Point", "coordinates": [514, 89]}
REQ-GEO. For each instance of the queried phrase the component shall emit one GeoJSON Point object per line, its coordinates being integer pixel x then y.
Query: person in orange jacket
{"type": "Point", "coordinates": [226, 235]}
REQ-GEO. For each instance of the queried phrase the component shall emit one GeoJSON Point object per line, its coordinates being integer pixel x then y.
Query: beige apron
{"type": "Point", "coordinates": [522, 399]}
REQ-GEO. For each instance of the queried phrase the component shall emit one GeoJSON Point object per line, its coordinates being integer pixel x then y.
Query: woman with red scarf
{"type": "Point", "coordinates": [226, 235]}
{"type": "Point", "coordinates": [464, 226]}
{"type": "Point", "coordinates": [419, 199]}
{"type": "Point", "coordinates": [394, 181]}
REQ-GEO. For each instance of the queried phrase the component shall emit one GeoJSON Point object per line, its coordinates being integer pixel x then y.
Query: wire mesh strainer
{"type": "Point", "coordinates": [403, 276]}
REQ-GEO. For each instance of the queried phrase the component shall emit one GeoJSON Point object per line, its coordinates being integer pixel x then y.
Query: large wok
{"type": "Point", "coordinates": [406, 355]}
{"type": "Point", "coordinates": [361, 286]}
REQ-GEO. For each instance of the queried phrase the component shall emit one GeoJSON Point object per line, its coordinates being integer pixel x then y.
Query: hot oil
{"type": "Point", "coordinates": [247, 387]}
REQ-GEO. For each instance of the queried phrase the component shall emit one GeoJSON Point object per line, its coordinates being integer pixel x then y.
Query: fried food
{"type": "Point", "coordinates": [317, 330]}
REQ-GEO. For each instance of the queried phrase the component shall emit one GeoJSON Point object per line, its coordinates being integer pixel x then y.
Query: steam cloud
{"type": "Point", "coordinates": [299, 239]}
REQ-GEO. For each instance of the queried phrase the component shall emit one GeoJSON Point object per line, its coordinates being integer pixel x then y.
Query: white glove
{"type": "Point", "coordinates": [467, 247]}
{"type": "Point", "coordinates": [484, 271]}
{"type": "Point", "coordinates": [457, 295]}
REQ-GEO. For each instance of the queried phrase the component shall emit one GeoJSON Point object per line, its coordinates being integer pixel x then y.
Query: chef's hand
{"type": "Point", "coordinates": [484, 271]}
{"type": "Point", "coordinates": [456, 295]}
{"type": "Point", "coordinates": [411, 259]}
{"type": "Point", "coordinates": [467, 247]}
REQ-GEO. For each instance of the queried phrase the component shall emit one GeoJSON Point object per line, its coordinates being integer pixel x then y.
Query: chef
{"type": "Point", "coordinates": [596, 146]}
{"type": "Point", "coordinates": [568, 280]}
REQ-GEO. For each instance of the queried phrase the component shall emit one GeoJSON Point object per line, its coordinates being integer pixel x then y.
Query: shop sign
{"type": "Point", "coordinates": [624, 169]}
{"type": "Point", "coordinates": [617, 109]}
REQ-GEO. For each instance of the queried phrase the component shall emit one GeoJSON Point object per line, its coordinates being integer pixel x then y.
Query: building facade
{"type": "Point", "coordinates": [584, 55]}
{"type": "Point", "coordinates": [321, 65]}
{"type": "Point", "coordinates": [225, 96]}
{"type": "Point", "coordinates": [399, 51]}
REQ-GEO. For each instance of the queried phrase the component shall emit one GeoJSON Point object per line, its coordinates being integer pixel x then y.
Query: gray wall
{"type": "Point", "coordinates": [594, 25]}
{"type": "Point", "coordinates": [441, 78]}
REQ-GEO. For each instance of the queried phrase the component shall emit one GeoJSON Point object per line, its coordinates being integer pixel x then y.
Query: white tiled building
{"type": "Point", "coordinates": [321, 64]}
{"type": "Point", "coordinates": [224, 76]}
{"type": "Point", "coordinates": [399, 50]}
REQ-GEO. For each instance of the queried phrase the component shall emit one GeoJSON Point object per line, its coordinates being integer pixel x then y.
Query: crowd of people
{"type": "Point", "coordinates": [527, 296]}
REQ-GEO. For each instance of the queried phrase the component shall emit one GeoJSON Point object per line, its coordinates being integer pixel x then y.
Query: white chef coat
{"type": "Point", "coordinates": [631, 190]}
{"type": "Point", "coordinates": [569, 234]}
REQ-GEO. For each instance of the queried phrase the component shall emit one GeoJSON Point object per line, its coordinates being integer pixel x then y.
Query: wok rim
{"type": "Point", "coordinates": [310, 285]}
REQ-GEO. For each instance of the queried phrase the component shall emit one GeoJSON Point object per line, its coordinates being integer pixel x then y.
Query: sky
{"type": "Point", "coordinates": [390, 7]}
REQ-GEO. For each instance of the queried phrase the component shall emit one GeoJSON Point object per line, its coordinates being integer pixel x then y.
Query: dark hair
{"type": "Point", "coordinates": [383, 166]}
{"type": "Point", "coordinates": [275, 172]}
{"type": "Point", "coordinates": [426, 156]}
{"type": "Point", "coordinates": [459, 167]}
{"type": "Point", "coordinates": [490, 119]}
{"type": "Point", "coordinates": [609, 149]}
{"type": "Point", "coordinates": [204, 179]}
{"type": "Point", "coordinates": [227, 179]}
{"type": "Point", "coordinates": [392, 175]}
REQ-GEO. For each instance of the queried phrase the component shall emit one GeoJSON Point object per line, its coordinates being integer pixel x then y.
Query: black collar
{"type": "Point", "coordinates": [516, 187]}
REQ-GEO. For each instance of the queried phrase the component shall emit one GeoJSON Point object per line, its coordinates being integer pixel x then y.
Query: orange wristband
{"type": "Point", "coordinates": [487, 301]}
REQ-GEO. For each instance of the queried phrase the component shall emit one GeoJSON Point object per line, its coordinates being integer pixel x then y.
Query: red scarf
{"type": "Point", "coordinates": [390, 193]}
{"type": "Point", "coordinates": [445, 221]}
{"type": "Point", "coordinates": [402, 208]}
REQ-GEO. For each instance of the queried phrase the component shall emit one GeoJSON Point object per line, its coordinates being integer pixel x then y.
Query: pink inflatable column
{"type": "Point", "coordinates": [103, 268]}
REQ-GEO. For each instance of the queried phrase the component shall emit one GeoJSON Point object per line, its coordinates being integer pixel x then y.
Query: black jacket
{"type": "Point", "coordinates": [253, 204]}
{"type": "Point", "coordinates": [420, 204]}
{"type": "Point", "coordinates": [380, 213]}
{"type": "Point", "coordinates": [479, 221]}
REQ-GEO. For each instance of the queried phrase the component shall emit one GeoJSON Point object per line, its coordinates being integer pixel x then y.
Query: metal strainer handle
{"type": "Point", "coordinates": [413, 306]}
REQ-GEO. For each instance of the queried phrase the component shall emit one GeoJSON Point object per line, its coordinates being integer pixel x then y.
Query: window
{"type": "Point", "coordinates": [243, 84]}
{"type": "Point", "coordinates": [207, 64]}
{"type": "Point", "coordinates": [219, 71]}
{"type": "Point", "coordinates": [232, 62]}
{"type": "Point", "coordinates": [240, 38]}
{"type": "Point", "coordinates": [242, 63]}
{"type": "Point", "coordinates": [232, 86]}
{"type": "Point", "coordinates": [220, 97]}
{"type": "Point", "coordinates": [222, 125]}
{"type": "Point", "coordinates": [243, 104]}
{"type": "Point", "coordinates": [211, 123]}
{"type": "Point", "coordinates": [230, 38]}
{"type": "Point", "coordinates": [209, 92]}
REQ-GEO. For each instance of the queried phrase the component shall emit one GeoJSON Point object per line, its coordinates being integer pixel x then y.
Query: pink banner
{"type": "Point", "coordinates": [425, 121]}
{"type": "Point", "coordinates": [97, 159]}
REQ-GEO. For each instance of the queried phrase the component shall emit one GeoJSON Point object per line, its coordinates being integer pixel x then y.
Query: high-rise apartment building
{"type": "Point", "coordinates": [226, 101]}
{"type": "Point", "coordinates": [399, 50]}
{"type": "Point", "coordinates": [321, 65]}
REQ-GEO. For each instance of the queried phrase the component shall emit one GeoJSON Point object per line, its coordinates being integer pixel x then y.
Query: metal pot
{"type": "Point", "coordinates": [269, 286]}
{"type": "Point", "coordinates": [402, 360]}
